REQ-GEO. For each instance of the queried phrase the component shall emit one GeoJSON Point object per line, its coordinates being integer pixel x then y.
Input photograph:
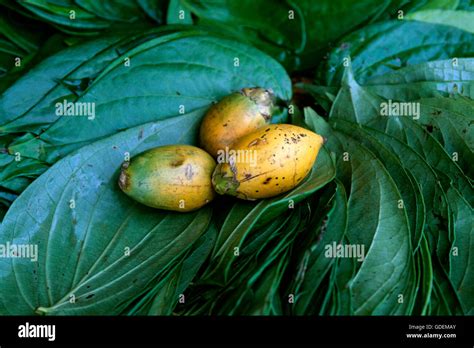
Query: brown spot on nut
{"type": "Point", "coordinates": [177, 163]}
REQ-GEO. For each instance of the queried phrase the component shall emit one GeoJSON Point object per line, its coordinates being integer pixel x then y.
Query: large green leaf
{"type": "Point", "coordinates": [446, 122]}
{"type": "Point", "coordinates": [467, 5]}
{"type": "Point", "coordinates": [437, 229]}
{"type": "Point", "coordinates": [245, 216]}
{"type": "Point", "coordinates": [117, 10]}
{"type": "Point", "coordinates": [89, 17]}
{"type": "Point", "coordinates": [425, 282]}
{"type": "Point", "coordinates": [23, 108]}
{"type": "Point", "coordinates": [59, 12]}
{"type": "Point", "coordinates": [273, 31]}
{"type": "Point", "coordinates": [463, 20]}
{"type": "Point", "coordinates": [316, 264]}
{"type": "Point", "coordinates": [326, 21]}
{"type": "Point", "coordinates": [425, 181]}
{"type": "Point", "coordinates": [387, 271]}
{"type": "Point", "coordinates": [415, 136]}
{"type": "Point", "coordinates": [422, 5]}
{"type": "Point", "coordinates": [294, 32]}
{"type": "Point", "coordinates": [154, 9]}
{"type": "Point", "coordinates": [166, 295]}
{"type": "Point", "coordinates": [20, 40]}
{"type": "Point", "coordinates": [462, 254]}
{"type": "Point", "coordinates": [383, 47]}
{"type": "Point", "coordinates": [257, 287]}
{"type": "Point", "coordinates": [177, 13]}
{"type": "Point", "coordinates": [376, 222]}
{"type": "Point", "coordinates": [451, 122]}
{"type": "Point", "coordinates": [428, 79]}
{"type": "Point", "coordinates": [412, 198]}
{"type": "Point", "coordinates": [445, 78]}
{"type": "Point", "coordinates": [183, 71]}
{"type": "Point", "coordinates": [426, 178]}
{"type": "Point", "coordinates": [258, 254]}
{"type": "Point", "coordinates": [357, 104]}
{"type": "Point", "coordinates": [82, 244]}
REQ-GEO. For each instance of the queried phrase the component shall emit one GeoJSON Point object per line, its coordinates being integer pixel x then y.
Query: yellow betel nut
{"type": "Point", "coordinates": [267, 162]}
{"type": "Point", "coordinates": [173, 177]}
{"type": "Point", "coordinates": [234, 116]}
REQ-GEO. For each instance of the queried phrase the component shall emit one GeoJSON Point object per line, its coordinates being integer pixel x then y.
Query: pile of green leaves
{"type": "Point", "coordinates": [401, 187]}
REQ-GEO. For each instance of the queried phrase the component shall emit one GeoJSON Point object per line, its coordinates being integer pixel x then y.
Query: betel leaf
{"type": "Point", "coordinates": [345, 271]}
{"type": "Point", "coordinates": [86, 17]}
{"type": "Point", "coordinates": [412, 198]}
{"type": "Point", "coordinates": [318, 264]}
{"type": "Point", "coordinates": [25, 109]}
{"type": "Point", "coordinates": [326, 21]}
{"type": "Point", "coordinates": [95, 245]}
{"type": "Point", "coordinates": [423, 5]}
{"type": "Point", "coordinates": [415, 136]}
{"type": "Point", "coordinates": [117, 10]}
{"type": "Point", "coordinates": [169, 293]}
{"type": "Point", "coordinates": [388, 268]}
{"type": "Point", "coordinates": [378, 224]}
{"type": "Point", "coordinates": [466, 5]}
{"type": "Point", "coordinates": [357, 104]}
{"type": "Point", "coordinates": [65, 75]}
{"type": "Point", "coordinates": [424, 80]}
{"type": "Point", "coordinates": [19, 44]}
{"type": "Point", "coordinates": [462, 254]}
{"type": "Point", "coordinates": [177, 14]}
{"type": "Point", "coordinates": [421, 183]}
{"type": "Point", "coordinates": [59, 12]}
{"type": "Point", "coordinates": [167, 76]}
{"type": "Point", "coordinates": [16, 175]}
{"type": "Point", "coordinates": [428, 180]}
{"type": "Point", "coordinates": [296, 33]}
{"type": "Point", "coordinates": [154, 9]}
{"type": "Point", "coordinates": [444, 293]}
{"type": "Point", "coordinates": [354, 103]}
{"type": "Point", "coordinates": [451, 122]}
{"type": "Point", "coordinates": [256, 289]}
{"type": "Point", "coordinates": [205, 299]}
{"type": "Point", "coordinates": [273, 31]}
{"type": "Point", "coordinates": [236, 228]}
{"type": "Point", "coordinates": [463, 20]}
{"type": "Point", "coordinates": [437, 229]}
{"type": "Point", "coordinates": [382, 47]}
{"type": "Point", "coordinates": [425, 283]}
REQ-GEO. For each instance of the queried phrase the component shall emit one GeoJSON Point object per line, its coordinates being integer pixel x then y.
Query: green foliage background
{"type": "Point", "coordinates": [399, 186]}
